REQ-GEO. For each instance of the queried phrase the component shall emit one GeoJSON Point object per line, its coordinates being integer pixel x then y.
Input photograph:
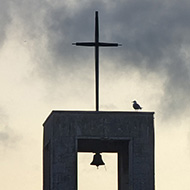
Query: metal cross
{"type": "Point", "coordinates": [96, 44]}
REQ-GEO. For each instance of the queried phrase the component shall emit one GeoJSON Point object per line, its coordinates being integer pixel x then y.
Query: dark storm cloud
{"type": "Point", "coordinates": [154, 34]}
{"type": "Point", "coordinates": [151, 32]}
{"type": "Point", "coordinates": [4, 20]}
{"type": "Point", "coordinates": [65, 26]}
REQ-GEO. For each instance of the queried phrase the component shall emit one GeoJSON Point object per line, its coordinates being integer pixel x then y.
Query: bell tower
{"type": "Point", "coordinates": [130, 134]}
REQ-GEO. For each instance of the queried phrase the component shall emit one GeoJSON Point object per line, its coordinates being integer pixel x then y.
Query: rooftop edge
{"type": "Point", "coordinates": [139, 113]}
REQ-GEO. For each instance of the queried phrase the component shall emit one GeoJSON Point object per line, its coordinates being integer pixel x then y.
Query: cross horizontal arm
{"type": "Point", "coordinates": [108, 44]}
{"type": "Point", "coordinates": [84, 44]}
{"type": "Point", "coordinates": [102, 44]}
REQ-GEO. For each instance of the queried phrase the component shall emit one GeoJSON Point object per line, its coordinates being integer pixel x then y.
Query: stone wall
{"type": "Point", "coordinates": [131, 134]}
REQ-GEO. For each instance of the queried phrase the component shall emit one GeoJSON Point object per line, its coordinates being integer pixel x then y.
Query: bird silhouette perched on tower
{"type": "Point", "coordinates": [136, 106]}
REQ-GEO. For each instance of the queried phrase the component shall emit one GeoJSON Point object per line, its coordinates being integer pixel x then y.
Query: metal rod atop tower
{"type": "Point", "coordinates": [96, 44]}
{"type": "Point", "coordinates": [97, 59]}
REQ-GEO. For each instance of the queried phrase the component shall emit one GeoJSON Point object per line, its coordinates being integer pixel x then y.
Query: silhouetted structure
{"type": "Point", "coordinates": [130, 134]}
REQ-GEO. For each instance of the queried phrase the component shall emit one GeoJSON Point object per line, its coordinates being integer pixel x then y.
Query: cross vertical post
{"type": "Point", "coordinates": [97, 60]}
{"type": "Point", "coordinates": [96, 45]}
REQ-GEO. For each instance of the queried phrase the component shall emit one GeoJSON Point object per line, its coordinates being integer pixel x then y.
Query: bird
{"type": "Point", "coordinates": [136, 106]}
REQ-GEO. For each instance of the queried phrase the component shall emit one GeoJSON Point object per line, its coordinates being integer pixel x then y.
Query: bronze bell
{"type": "Point", "coordinates": [97, 160]}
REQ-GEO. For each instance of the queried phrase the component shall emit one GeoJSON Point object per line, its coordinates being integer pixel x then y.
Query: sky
{"type": "Point", "coordinates": [41, 71]}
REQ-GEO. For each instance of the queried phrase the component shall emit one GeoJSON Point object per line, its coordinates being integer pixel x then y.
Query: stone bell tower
{"type": "Point", "coordinates": [130, 134]}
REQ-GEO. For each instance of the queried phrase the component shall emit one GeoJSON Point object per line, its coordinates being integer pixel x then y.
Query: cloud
{"type": "Point", "coordinates": [4, 20]}
{"type": "Point", "coordinates": [153, 64]}
{"type": "Point", "coordinates": [155, 38]}
{"type": "Point", "coordinates": [8, 137]}
{"type": "Point", "coordinates": [154, 35]}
